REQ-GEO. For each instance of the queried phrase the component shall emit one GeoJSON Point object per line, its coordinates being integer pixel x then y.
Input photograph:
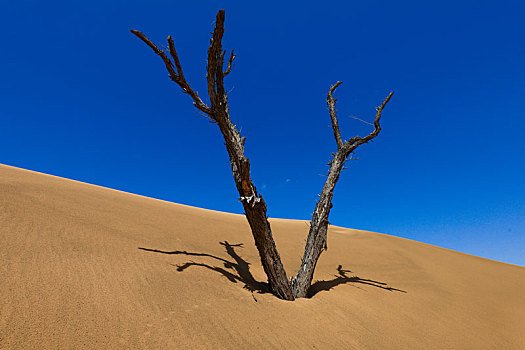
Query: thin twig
{"type": "Point", "coordinates": [361, 120]}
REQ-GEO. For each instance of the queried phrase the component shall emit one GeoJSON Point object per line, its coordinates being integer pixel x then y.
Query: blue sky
{"type": "Point", "coordinates": [82, 98]}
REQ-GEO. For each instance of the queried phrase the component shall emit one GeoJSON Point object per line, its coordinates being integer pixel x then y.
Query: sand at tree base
{"type": "Point", "coordinates": [72, 276]}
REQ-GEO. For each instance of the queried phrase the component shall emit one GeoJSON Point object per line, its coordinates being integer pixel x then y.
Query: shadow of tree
{"type": "Point", "coordinates": [238, 270]}
{"type": "Point", "coordinates": [342, 278]}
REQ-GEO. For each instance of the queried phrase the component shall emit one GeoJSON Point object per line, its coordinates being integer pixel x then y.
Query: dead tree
{"type": "Point", "coordinates": [252, 201]}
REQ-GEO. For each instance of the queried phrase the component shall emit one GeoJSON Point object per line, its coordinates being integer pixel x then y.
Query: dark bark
{"type": "Point", "coordinates": [317, 236]}
{"type": "Point", "coordinates": [253, 203]}
{"type": "Point", "coordinates": [218, 112]}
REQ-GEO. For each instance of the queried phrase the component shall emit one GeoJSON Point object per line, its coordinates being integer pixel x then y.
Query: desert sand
{"type": "Point", "coordinates": [86, 267]}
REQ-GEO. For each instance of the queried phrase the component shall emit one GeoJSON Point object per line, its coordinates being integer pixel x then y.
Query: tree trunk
{"type": "Point", "coordinates": [270, 259]}
{"type": "Point", "coordinates": [317, 236]}
{"type": "Point", "coordinates": [255, 211]}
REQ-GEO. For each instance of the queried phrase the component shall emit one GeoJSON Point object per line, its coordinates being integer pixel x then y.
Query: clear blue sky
{"type": "Point", "coordinates": [82, 98]}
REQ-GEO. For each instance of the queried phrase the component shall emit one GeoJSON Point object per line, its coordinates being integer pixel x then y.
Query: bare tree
{"type": "Point", "coordinates": [252, 201]}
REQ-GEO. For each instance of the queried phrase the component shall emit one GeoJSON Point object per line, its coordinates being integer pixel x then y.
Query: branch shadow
{"type": "Point", "coordinates": [238, 270]}
{"type": "Point", "coordinates": [343, 278]}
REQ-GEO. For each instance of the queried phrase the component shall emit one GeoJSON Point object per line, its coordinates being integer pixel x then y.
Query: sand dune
{"type": "Point", "coordinates": [83, 266]}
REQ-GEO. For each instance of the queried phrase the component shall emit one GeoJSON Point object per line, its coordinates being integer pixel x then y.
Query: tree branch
{"type": "Point", "coordinates": [215, 60]}
{"type": "Point", "coordinates": [177, 78]}
{"type": "Point", "coordinates": [330, 100]}
{"type": "Point", "coordinates": [230, 61]}
{"type": "Point", "coordinates": [175, 57]}
{"type": "Point", "coordinates": [317, 236]}
{"type": "Point", "coordinates": [355, 142]}
{"type": "Point", "coordinates": [167, 62]}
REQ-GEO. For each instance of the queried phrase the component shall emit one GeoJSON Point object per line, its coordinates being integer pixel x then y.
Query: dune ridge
{"type": "Point", "coordinates": [84, 266]}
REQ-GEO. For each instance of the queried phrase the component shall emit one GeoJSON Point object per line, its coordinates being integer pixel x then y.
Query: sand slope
{"type": "Point", "coordinates": [72, 276]}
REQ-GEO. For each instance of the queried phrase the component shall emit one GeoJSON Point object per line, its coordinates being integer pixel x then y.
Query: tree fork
{"type": "Point", "coordinates": [317, 236]}
{"type": "Point", "coordinates": [254, 205]}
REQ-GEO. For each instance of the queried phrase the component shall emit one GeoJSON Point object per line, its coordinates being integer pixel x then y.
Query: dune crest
{"type": "Point", "coordinates": [88, 267]}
